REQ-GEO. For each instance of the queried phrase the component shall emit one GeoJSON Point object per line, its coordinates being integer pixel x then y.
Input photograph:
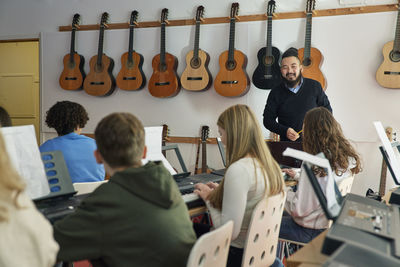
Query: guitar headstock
{"type": "Point", "coordinates": [199, 13]}
{"type": "Point", "coordinates": [165, 132]}
{"type": "Point", "coordinates": [104, 19]}
{"type": "Point", "coordinates": [389, 133]}
{"type": "Point", "coordinates": [134, 17]}
{"type": "Point", "coordinates": [205, 131]}
{"type": "Point", "coordinates": [271, 7]}
{"type": "Point", "coordinates": [164, 15]}
{"type": "Point", "coordinates": [310, 6]}
{"type": "Point", "coordinates": [234, 10]}
{"type": "Point", "coordinates": [76, 21]}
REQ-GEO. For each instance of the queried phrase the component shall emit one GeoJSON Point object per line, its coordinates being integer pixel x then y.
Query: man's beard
{"type": "Point", "coordinates": [291, 84]}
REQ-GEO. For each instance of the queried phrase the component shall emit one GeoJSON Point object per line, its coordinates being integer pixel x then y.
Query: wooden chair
{"type": "Point", "coordinates": [263, 232]}
{"type": "Point", "coordinates": [87, 187]}
{"type": "Point", "coordinates": [212, 249]}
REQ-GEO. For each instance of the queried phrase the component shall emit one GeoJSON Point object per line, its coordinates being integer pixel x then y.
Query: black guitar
{"type": "Point", "coordinates": [267, 74]}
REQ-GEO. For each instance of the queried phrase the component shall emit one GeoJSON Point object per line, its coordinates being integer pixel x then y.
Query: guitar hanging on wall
{"type": "Point", "coordinates": [267, 75]}
{"type": "Point", "coordinates": [196, 76]}
{"type": "Point", "coordinates": [100, 81]}
{"type": "Point", "coordinates": [73, 74]}
{"type": "Point", "coordinates": [311, 57]}
{"type": "Point", "coordinates": [164, 81]}
{"type": "Point", "coordinates": [232, 79]}
{"type": "Point", "coordinates": [388, 74]}
{"type": "Point", "coordinates": [131, 76]}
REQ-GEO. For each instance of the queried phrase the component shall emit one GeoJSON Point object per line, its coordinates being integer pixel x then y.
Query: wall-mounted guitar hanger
{"type": "Point", "coordinates": [259, 17]}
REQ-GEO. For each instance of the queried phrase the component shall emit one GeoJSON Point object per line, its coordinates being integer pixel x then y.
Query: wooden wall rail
{"type": "Point", "coordinates": [215, 20]}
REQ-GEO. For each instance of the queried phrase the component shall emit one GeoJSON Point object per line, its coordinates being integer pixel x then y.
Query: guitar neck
{"type": "Point", "coordinates": [100, 50]}
{"type": "Point", "coordinates": [72, 51]}
{"type": "Point", "coordinates": [396, 45]}
{"type": "Point", "coordinates": [382, 183]}
{"type": "Point", "coordinates": [196, 166]}
{"type": "Point", "coordinates": [269, 37]}
{"type": "Point", "coordinates": [204, 156]}
{"type": "Point", "coordinates": [196, 41]}
{"type": "Point", "coordinates": [130, 47]}
{"type": "Point", "coordinates": [307, 43]}
{"type": "Point", "coordinates": [231, 40]}
{"type": "Point", "coordinates": [162, 44]}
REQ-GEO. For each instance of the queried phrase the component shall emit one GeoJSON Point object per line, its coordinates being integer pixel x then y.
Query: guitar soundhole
{"type": "Point", "coordinates": [307, 62]}
{"type": "Point", "coordinates": [130, 64]}
{"type": "Point", "coordinates": [163, 67]}
{"type": "Point", "coordinates": [269, 60]}
{"type": "Point", "coordinates": [98, 68]}
{"type": "Point", "coordinates": [71, 64]}
{"type": "Point", "coordinates": [395, 56]}
{"type": "Point", "coordinates": [230, 65]}
{"type": "Point", "coordinates": [195, 63]}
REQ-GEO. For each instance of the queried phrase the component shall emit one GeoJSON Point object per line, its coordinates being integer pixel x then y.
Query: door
{"type": "Point", "coordinates": [19, 82]}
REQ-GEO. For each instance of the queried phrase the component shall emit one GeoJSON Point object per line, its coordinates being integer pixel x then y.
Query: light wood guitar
{"type": "Point", "coordinates": [73, 74]}
{"type": "Point", "coordinates": [164, 81]}
{"type": "Point", "coordinates": [131, 76]}
{"type": "Point", "coordinates": [196, 76]}
{"type": "Point", "coordinates": [232, 79]}
{"type": "Point", "coordinates": [311, 57]}
{"type": "Point", "coordinates": [388, 74]}
{"type": "Point", "coordinates": [100, 80]}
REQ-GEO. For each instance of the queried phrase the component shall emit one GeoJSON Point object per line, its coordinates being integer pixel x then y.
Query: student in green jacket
{"type": "Point", "coordinates": [138, 218]}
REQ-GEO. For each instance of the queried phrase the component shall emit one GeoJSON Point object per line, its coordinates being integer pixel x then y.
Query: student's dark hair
{"type": "Point", "coordinates": [120, 140]}
{"type": "Point", "coordinates": [66, 116]}
{"type": "Point", "coordinates": [5, 120]}
{"type": "Point", "coordinates": [291, 52]}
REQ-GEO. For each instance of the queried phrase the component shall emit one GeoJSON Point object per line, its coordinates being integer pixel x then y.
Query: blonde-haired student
{"type": "Point", "coordinates": [252, 173]}
{"type": "Point", "coordinates": [26, 236]}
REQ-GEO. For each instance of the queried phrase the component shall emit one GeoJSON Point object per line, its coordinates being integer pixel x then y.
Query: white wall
{"type": "Point", "coordinates": [350, 44]}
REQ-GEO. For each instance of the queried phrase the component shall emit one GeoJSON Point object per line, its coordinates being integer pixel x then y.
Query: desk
{"type": "Point", "coordinates": [310, 254]}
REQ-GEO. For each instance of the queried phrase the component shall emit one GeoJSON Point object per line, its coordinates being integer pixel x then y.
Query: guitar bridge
{"type": "Point", "coordinates": [71, 78]}
{"type": "Point", "coordinates": [129, 78]}
{"type": "Point", "coordinates": [97, 83]}
{"type": "Point", "coordinates": [229, 82]}
{"type": "Point", "coordinates": [161, 84]}
{"type": "Point", "coordinates": [195, 78]}
{"type": "Point", "coordinates": [391, 72]}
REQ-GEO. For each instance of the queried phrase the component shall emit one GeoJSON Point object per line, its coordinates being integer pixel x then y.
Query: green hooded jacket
{"type": "Point", "coordinates": [138, 218]}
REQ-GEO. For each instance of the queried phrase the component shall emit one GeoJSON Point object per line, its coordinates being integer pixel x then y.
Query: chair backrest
{"type": "Point", "coordinates": [88, 187]}
{"type": "Point", "coordinates": [345, 185]}
{"type": "Point", "coordinates": [211, 249]}
{"type": "Point", "coordinates": [263, 232]}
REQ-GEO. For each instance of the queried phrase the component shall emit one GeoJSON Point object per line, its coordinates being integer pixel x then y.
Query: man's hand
{"type": "Point", "coordinates": [292, 134]}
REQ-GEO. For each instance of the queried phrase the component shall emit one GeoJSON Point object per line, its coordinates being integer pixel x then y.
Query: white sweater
{"type": "Point", "coordinates": [244, 187]}
{"type": "Point", "coordinates": [303, 205]}
{"type": "Point", "coordinates": [26, 237]}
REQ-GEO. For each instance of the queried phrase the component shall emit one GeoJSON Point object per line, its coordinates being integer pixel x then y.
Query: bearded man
{"type": "Point", "coordinates": [289, 101]}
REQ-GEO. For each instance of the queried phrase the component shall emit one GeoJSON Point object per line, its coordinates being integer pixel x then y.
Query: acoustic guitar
{"type": "Point", "coordinates": [232, 79]}
{"type": "Point", "coordinates": [100, 80]}
{"type": "Point", "coordinates": [196, 76]}
{"type": "Point", "coordinates": [131, 76]}
{"type": "Point", "coordinates": [388, 74]}
{"type": "Point", "coordinates": [73, 74]}
{"type": "Point", "coordinates": [164, 81]}
{"type": "Point", "coordinates": [165, 133]}
{"type": "Point", "coordinates": [267, 75]}
{"type": "Point", "coordinates": [311, 57]}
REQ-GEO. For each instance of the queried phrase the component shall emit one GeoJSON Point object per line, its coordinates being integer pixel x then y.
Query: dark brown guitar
{"type": "Point", "coordinates": [232, 79]}
{"type": "Point", "coordinates": [164, 81]}
{"type": "Point", "coordinates": [73, 74]}
{"type": "Point", "coordinates": [196, 76]}
{"type": "Point", "coordinates": [100, 81]}
{"type": "Point", "coordinates": [311, 57]}
{"type": "Point", "coordinates": [131, 76]}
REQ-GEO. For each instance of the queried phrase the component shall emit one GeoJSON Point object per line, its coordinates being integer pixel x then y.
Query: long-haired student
{"type": "Point", "coordinates": [321, 133]}
{"type": "Point", "coordinates": [26, 236]}
{"type": "Point", "coordinates": [251, 174]}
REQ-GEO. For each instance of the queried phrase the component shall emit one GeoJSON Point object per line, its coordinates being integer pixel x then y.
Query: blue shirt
{"type": "Point", "coordinates": [78, 155]}
{"type": "Point", "coordinates": [296, 89]}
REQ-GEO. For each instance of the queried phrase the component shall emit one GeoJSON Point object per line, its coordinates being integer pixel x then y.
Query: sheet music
{"type": "Point", "coordinates": [394, 162]}
{"type": "Point", "coordinates": [24, 154]}
{"type": "Point", "coordinates": [153, 136]}
{"type": "Point", "coordinates": [321, 162]}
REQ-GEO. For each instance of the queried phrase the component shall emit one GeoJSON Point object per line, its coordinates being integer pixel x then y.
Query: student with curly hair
{"type": "Point", "coordinates": [68, 119]}
{"type": "Point", "coordinates": [321, 133]}
{"type": "Point", "coordinates": [26, 236]}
